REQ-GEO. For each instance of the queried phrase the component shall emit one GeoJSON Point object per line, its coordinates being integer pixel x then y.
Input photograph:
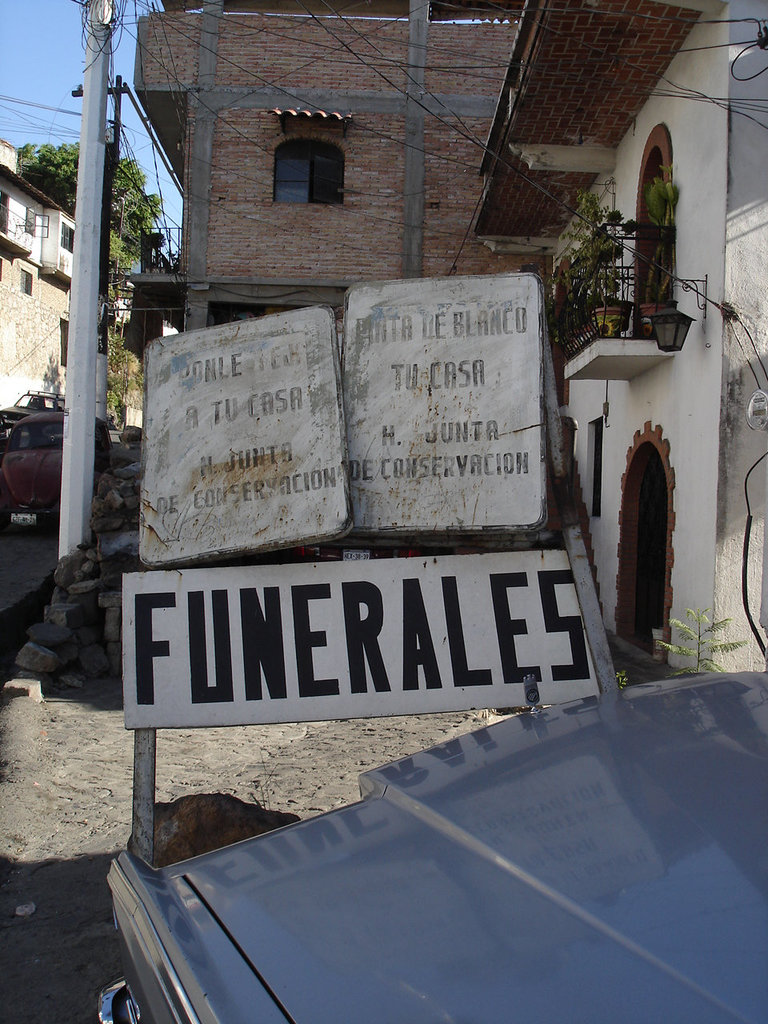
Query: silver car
{"type": "Point", "coordinates": [600, 861]}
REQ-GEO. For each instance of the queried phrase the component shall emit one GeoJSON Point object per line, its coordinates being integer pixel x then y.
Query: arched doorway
{"type": "Point", "coordinates": [650, 577]}
{"type": "Point", "coordinates": [644, 594]}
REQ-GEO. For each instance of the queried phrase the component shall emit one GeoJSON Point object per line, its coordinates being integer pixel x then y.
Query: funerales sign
{"type": "Point", "coordinates": [337, 640]}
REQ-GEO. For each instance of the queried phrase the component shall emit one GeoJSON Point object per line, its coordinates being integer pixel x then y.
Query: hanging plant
{"type": "Point", "coordinates": [591, 273]}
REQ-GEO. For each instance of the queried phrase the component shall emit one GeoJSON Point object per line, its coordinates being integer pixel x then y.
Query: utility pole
{"type": "Point", "coordinates": [80, 414]}
{"type": "Point", "coordinates": [112, 158]}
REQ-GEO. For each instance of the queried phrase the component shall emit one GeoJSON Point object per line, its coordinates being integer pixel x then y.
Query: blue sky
{"type": "Point", "coordinates": [43, 61]}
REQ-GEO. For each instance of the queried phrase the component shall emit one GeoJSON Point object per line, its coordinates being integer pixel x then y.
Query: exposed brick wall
{"type": "Point", "coordinates": [250, 236]}
{"type": "Point", "coordinates": [307, 53]}
{"type": "Point", "coordinates": [169, 56]}
{"type": "Point", "coordinates": [643, 443]}
{"type": "Point", "coordinates": [453, 186]}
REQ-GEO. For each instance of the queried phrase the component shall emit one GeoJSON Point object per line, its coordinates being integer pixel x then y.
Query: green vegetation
{"type": "Point", "coordinates": [699, 641]}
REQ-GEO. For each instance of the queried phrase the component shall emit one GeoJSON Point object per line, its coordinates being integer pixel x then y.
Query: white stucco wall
{"type": "Point", "coordinates": [746, 336]}
{"type": "Point", "coordinates": [684, 394]}
{"type": "Point", "coordinates": [30, 333]}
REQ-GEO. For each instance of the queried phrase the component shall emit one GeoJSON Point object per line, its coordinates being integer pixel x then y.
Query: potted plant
{"type": "Point", "coordinates": [592, 274]}
{"type": "Point", "coordinates": [661, 195]}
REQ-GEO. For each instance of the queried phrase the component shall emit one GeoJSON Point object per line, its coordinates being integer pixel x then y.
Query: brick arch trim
{"type": "Point", "coordinates": [657, 153]}
{"type": "Point", "coordinates": [644, 442]}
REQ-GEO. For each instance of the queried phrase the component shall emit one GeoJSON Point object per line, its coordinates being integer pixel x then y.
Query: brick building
{"type": "Point", "coordinates": [36, 243]}
{"type": "Point", "coordinates": [318, 151]}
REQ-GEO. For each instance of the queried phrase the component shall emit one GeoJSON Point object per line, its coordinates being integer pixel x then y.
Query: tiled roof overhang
{"type": "Point", "coordinates": [578, 76]}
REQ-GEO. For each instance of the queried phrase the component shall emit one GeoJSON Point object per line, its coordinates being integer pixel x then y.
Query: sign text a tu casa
{"type": "Point", "coordinates": [443, 395]}
{"type": "Point", "coordinates": [244, 439]}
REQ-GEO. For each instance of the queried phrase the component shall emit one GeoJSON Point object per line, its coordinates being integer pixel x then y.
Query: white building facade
{"type": "Point", "coordinates": [36, 246]}
{"type": "Point", "coordinates": [662, 446]}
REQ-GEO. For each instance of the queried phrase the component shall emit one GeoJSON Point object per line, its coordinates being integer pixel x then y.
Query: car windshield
{"type": "Point", "coordinates": [36, 435]}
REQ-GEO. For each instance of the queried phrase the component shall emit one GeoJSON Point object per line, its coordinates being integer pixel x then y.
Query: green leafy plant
{"type": "Point", "coordinates": [125, 381]}
{"type": "Point", "coordinates": [594, 250]}
{"type": "Point", "coordinates": [699, 641]}
{"type": "Point", "coordinates": [622, 679]}
{"type": "Point", "coordinates": [661, 196]}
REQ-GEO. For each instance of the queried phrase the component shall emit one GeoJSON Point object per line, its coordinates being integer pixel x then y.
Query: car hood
{"type": "Point", "coordinates": [33, 477]}
{"type": "Point", "coordinates": [599, 861]}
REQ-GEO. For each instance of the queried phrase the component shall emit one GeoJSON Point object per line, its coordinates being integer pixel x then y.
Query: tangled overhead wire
{"type": "Point", "coordinates": [762, 44]}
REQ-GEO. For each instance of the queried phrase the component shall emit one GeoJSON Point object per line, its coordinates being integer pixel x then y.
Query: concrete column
{"type": "Point", "coordinates": [79, 423]}
{"type": "Point", "coordinates": [199, 177]}
{"type": "Point", "coordinates": [413, 205]}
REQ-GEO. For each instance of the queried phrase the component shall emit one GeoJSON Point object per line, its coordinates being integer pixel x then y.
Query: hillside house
{"type": "Point", "coordinates": [36, 245]}
{"type": "Point", "coordinates": [607, 99]}
{"type": "Point", "coordinates": [317, 151]}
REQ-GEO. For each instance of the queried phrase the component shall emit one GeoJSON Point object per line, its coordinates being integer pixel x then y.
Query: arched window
{"type": "Point", "coordinates": [307, 171]}
{"type": "Point", "coordinates": [656, 157]}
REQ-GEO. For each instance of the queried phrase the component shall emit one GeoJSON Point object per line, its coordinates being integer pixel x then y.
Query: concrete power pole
{"type": "Point", "coordinates": [79, 423]}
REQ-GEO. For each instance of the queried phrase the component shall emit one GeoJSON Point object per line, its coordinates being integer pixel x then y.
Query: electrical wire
{"type": "Point", "coordinates": [745, 558]}
{"type": "Point", "coordinates": [342, 45]}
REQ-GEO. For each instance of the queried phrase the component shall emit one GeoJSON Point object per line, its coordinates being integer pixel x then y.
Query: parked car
{"type": "Point", "coordinates": [32, 402]}
{"type": "Point", "coordinates": [601, 861]}
{"type": "Point", "coordinates": [5, 431]}
{"type": "Point", "coordinates": [30, 469]}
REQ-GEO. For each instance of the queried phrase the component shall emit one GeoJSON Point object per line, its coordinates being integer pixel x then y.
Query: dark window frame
{"type": "Point", "coordinates": [309, 171]}
{"type": "Point", "coordinates": [67, 237]}
{"type": "Point", "coordinates": [597, 466]}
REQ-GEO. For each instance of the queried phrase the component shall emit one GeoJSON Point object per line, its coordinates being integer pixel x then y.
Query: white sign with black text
{"type": "Point", "coordinates": [443, 394]}
{"type": "Point", "coordinates": [244, 439]}
{"type": "Point", "coordinates": [351, 639]}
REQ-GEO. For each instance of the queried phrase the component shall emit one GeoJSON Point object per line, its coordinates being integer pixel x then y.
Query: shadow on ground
{"type": "Point", "coordinates": [54, 961]}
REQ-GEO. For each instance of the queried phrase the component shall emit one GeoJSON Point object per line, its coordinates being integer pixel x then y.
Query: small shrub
{"type": "Point", "coordinates": [699, 641]}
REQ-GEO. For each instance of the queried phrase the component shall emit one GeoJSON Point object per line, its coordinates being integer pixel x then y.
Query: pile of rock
{"type": "Point", "coordinates": [80, 635]}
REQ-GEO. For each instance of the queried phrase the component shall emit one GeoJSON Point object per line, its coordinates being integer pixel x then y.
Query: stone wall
{"type": "Point", "coordinates": [80, 635]}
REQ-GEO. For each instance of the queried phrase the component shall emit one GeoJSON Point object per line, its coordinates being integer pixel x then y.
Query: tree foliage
{"type": "Point", "coordinates": [125, 380]}
{"type": "Point", "coordinates": [133, 211]}
{"type": "Point", "coordinates": [52, 170]}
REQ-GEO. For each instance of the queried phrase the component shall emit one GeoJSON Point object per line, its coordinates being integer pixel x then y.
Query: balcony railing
{"type": "Point", "coordinates": [639, 276]}
{"type": "Point", "coordinates": [17, 229]}
{"type": "Point", "coordinates": [161, 252]}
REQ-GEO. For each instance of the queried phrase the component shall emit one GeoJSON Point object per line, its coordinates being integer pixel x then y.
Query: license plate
{"type": "Point", "coordinates": [24, 518]}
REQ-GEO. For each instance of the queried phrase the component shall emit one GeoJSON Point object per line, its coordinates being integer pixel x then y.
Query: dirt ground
{"type": "Point", "coordinates": [65, 811]}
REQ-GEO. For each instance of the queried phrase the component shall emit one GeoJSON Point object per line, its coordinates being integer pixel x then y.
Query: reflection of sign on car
{"type": "Point", "coordinates": [30, 472]}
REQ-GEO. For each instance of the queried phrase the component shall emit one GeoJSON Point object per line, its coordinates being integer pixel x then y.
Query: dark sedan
{"type": "Point", "coordinates": [30, 471]}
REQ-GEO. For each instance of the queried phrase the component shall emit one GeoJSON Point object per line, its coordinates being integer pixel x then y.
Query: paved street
{"type": "Point", "coordinates": [27, 558]}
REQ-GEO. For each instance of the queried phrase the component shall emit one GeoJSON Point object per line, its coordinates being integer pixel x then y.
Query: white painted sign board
{"type": "Point", "coordinates": [350, 639]}
{"type": "Point", "coordinates": [244, 440]}
{"type": "Point", "coordinates": [444, 398]}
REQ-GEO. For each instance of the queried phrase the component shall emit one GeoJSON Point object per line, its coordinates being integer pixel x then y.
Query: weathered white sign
{"type": "Point", "coordinates": [443, 394]}
{"type": "Point", "coordinates": [244, 439]}
{"type": "Point", "coordinates": [351, 639]}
